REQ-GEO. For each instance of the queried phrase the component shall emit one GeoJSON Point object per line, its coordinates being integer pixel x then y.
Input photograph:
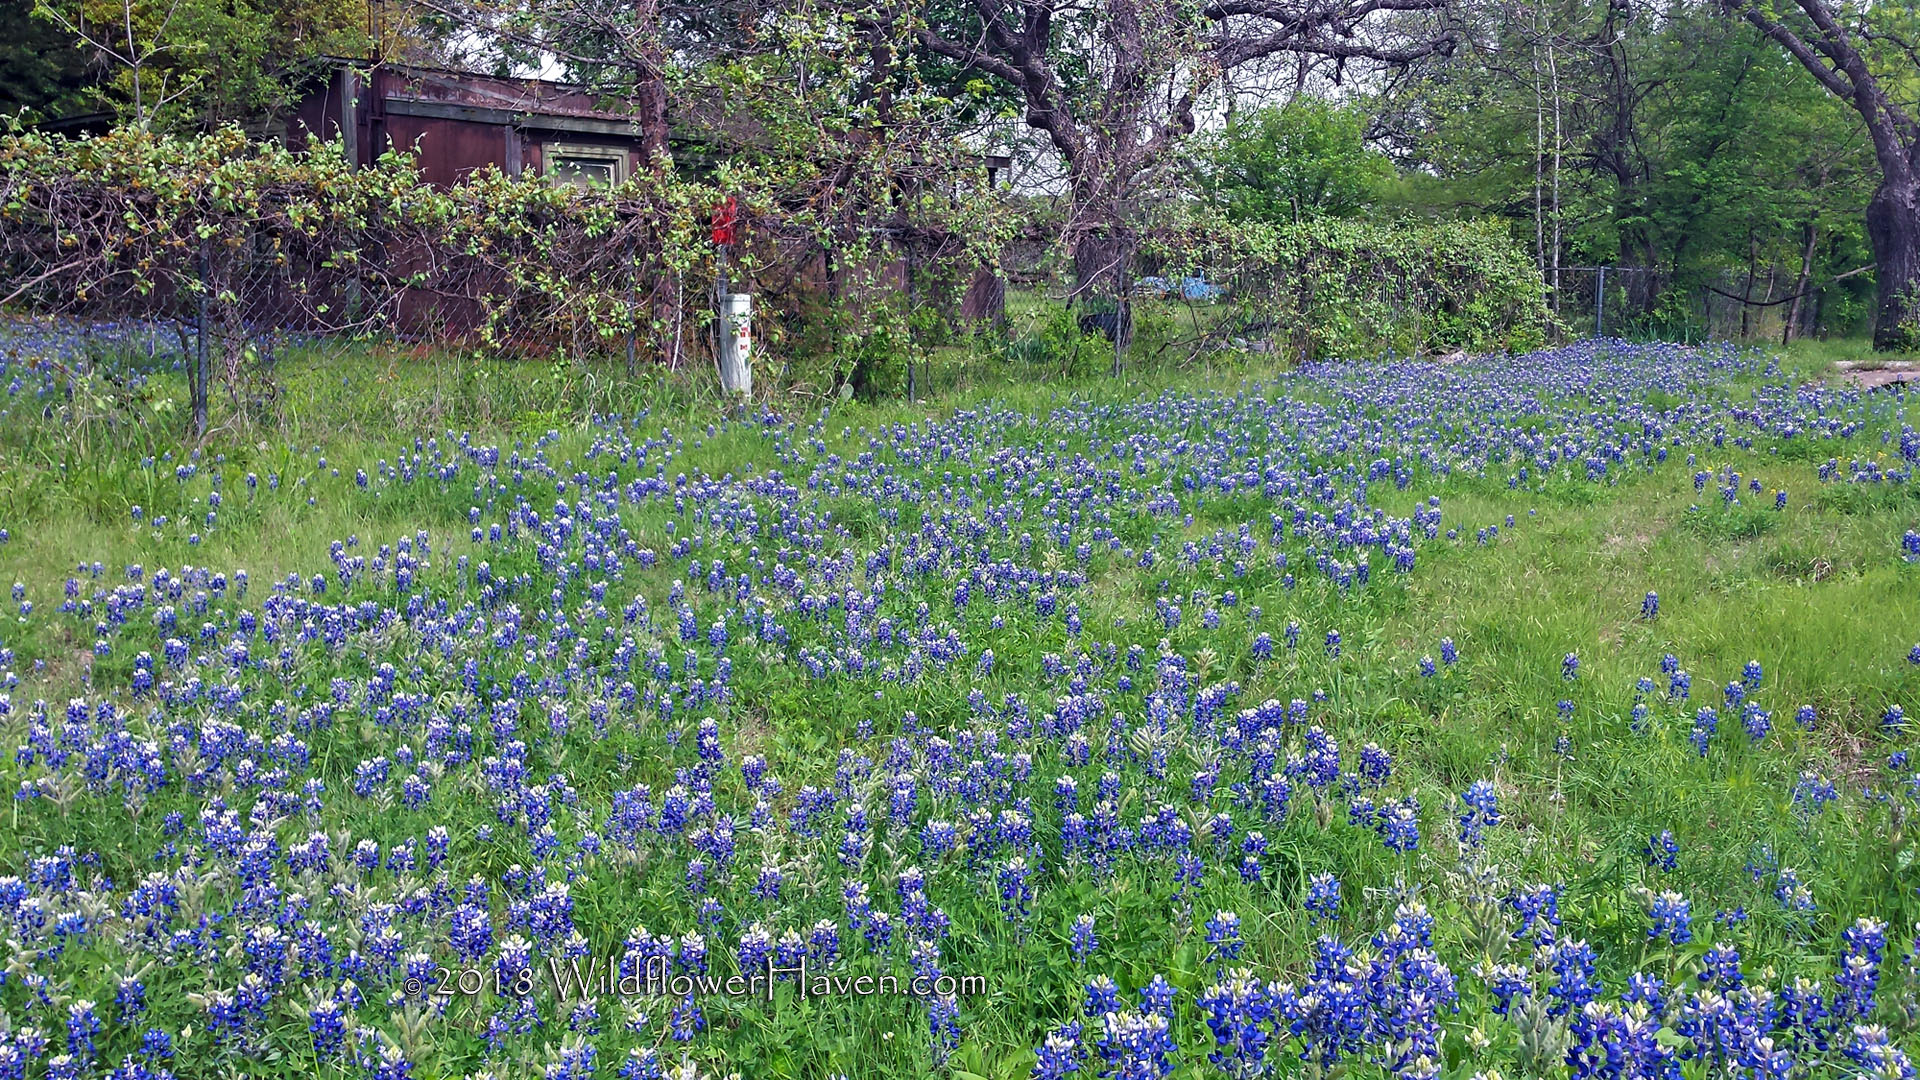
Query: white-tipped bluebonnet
{"type": "Point", "coordinates": [1223, 937]}
{"type": "Point", "coordinates": [1671, 917]}
{"type": "Point", "coordinates": [1083, 941]}
{"type": "Point", "coordinates": [1323, 897]}
{"type": "Point", "coordinates": [1480, 810]}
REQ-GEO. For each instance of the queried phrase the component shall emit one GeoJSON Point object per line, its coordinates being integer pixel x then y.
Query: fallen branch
{"type": "Point", "coordinates": [1808, 291]}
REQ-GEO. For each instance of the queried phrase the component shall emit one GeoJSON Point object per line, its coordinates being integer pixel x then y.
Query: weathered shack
{"type": "Point", "coordinates": [456, 122]}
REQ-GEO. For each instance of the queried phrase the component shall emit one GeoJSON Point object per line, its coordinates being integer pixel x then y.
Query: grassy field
{"type": "Point", "coordinates": [467, 667]}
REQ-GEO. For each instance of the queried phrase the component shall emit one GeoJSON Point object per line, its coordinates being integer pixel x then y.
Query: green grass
{"type": "Point", "coordinates": [1815, 592]}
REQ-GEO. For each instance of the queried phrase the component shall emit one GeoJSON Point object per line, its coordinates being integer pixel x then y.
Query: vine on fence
{"type": "Point", "coordinates": [248, 246]}
{"type": "Point", "coordinates": [1334, 287]}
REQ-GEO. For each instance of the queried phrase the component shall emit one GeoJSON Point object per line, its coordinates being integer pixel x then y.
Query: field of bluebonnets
{"type": "Point", "coordinates": [1536, 715]}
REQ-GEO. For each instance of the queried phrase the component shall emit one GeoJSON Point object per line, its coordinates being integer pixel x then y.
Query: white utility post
{"type": "Point", "coordinates": [736, 344]}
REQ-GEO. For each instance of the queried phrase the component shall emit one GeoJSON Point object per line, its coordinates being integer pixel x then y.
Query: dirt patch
{"type": "Point", "coordinates": [1870, 375]}
{"type": "Point", "coordinates": [1615, 543]}
{"type": "Point", "coordinates": [1853, 757]}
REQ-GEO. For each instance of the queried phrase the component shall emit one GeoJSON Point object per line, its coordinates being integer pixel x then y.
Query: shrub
{"type": "Point", "coordinates": [1342, 288]}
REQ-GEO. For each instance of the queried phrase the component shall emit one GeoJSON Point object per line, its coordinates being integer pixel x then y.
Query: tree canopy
{"type": "Point", "coordinates": [1758, 150]}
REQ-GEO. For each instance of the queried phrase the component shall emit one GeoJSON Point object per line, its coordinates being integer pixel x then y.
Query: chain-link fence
{"type": "Point", "coordinates": [1767, 304]}
{"type": "Point", "coordinates": [262, 259]}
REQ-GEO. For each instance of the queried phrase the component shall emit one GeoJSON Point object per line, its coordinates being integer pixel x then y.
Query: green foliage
{"type": "Point", "coordinates": [185, 64]}
{"type": "Point", "coordinates": [1305, 159]}
{"type": "Point", "coordinates": [870, 360]}
{"type": "Point", "coordinates": [1045, 344]}
{"type": "Point", "coordinates": [41, 68]}
{"type": "Point", "coordinates": [1742, 522]}
{"type": "Point", "coordinates": [1572, 577]}
{"type": "Point", "coordinates": [149, 225]}
{"type": "Point", "coordinates": [1671, 139]}
{"type": "Point", "coordinates": [1340, 288]}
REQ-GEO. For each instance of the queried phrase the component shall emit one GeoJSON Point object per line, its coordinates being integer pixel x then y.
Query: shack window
{"type": "Point", "coordinates": [585, 166]}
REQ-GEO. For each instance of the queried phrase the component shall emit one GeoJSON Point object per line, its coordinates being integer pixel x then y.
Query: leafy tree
{"type": "Point", "coordinates": [1114, 85]}
{"type": "Point", "coordinates": [41, 68]}
{"type": "Point", "coordinates": [1659, 138]}
{"type": "Point", "coordinates": [1866, 55]}
{"type": "Point", "coordinates": [171, 63]}
{"type": "Point", "coordinates": [1306, 159]}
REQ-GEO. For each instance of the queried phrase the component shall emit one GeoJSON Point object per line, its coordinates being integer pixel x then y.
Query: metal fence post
{"type": "Point", "coordinates": [1600, 306]}
{"type": "Point", "coordinates": [197, 384]}
{"type": "Point", "coordinates": [912, 307]}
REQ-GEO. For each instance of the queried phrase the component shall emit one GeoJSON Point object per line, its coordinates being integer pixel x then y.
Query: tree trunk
{"type": "Point", "coordinates": [1746, 291]}
{"type": "Point", "coordinates": [650, 102]}
{"type": "Point", "coordinates": [1893, 214]}
{"type": "Point", "coordinates": [1893, 227]}
{"type": "Point", "coordinates": [1798, 305]}
{"type": "Point", "coordinates": [1553, 70]}
{"type": "Point", "coordinates": [650, 95]}
{"type": "Point", "coordinates": [1102, 262]}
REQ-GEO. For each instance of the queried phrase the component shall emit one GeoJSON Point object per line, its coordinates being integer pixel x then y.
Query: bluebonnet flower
{"type": "Point", "coordinates": [1650, 606]}
{"type": "Point", "coordinates": [1813, 793]}
{"type": "Point", "coordinates": [1872, 1049]}
{"type": "Point", "coordinates": [1376, 767]}
{"type": "Point", "coordinates": [1705, 723]}
{"type": "Point", "coordinates": [1507, 983]}
{"type": "Point", "coordinates": [1539, 909]}
{"type": "Point", "coordinates": [823, 944]}
{"type": "Point", "coordinates": [1136, 1045]}
{"type": "Point", "coordinates": [1242, 1014]}
{"type": "Point", "coordinates": [83, 1027]}
{"type": "Point", "coordinates": [1679, 685]}
{"type": "Point", "coordinates": [1792, 893]}
{"type": "Point", "coordinates": [1102, 997]}
{"type": "Point", "coordinates": [1720, 969]}
{"type": "Point", "coordinates": [1573, 963]}
{"type": "Point", "coordinates": [1671, 917]}
{"type": "Point", "coordinates": [130, 999]}
{"type": "Point", "coordinates": [1223, 937]}
{"type": "Point", "coordinates": [1061, 1054]}
{"type": "Point", "coordinates": [1083, 942]}
{"type": "Point", "coordinates": [1865, 945]}
{"type": "Point", "coordinates": [326, 1024]}
{"type": "Point", "coordinates": [1662, 851]}
{"type": "Point", "coordinates": [1480, 811]}
{"type": "Point", "coordinates": [1323, 897]}
{"type": "Point", "coordinates": [1398, 824]}
{"type": "Point", "coordinates": [1015, 891]}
